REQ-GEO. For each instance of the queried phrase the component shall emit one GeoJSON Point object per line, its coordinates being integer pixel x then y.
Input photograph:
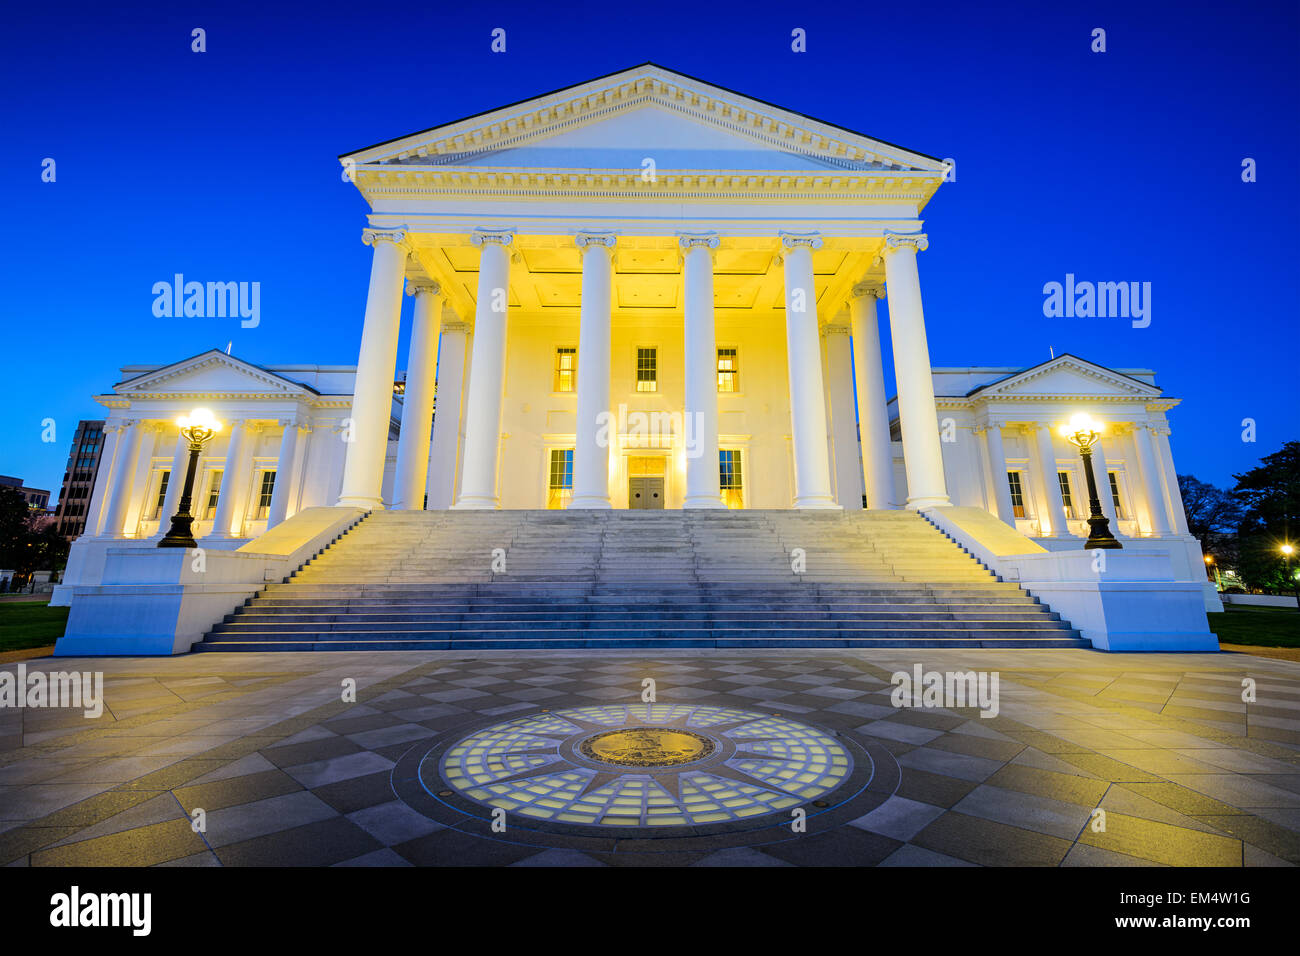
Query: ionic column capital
{"type": "Point", "coordinates": [867, 288]}
{"type": "Point", "coordinates": [688, 240]}
{"type": "Point", "coordinates": [396, 236]}
{"type": "Point", "coordinates": [586, 240]}
{"type": "Point", "coordinates": [813, 241]}
{"type": "Point", "coordinates": [893, 241]}
{"type": "Point", "coordinates": [502, 237]}
{"type": "Point", "coordinates": [834, 328]}
{"type": "Point", "coordinates": [425, 286]}
{"type": "Point", "coordinates": [454, 323]}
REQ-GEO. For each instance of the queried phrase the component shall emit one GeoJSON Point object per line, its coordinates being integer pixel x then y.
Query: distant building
{"type": "Point", "coordinates": [38, 499]}
{"type": "Point", "coordinates": [79, 478]}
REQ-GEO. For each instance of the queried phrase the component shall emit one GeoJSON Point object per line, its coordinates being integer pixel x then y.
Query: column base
{"type": "Point", "coordinates": [703, 501]}
{"type": "Point", "coordinates": [590, 502]}
{"type": "Point", "coordinates": [360, 501]}
{"type": "Point", "coordinates": [817, 503]}
{"type": "Point", "coordinates": [929, 501]}
{"type": "Point", "coordinates": [476, 503]}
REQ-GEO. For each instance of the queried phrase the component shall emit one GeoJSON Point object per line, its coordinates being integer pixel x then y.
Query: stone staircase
{"type": "Point", "coordinates": [425, 580]}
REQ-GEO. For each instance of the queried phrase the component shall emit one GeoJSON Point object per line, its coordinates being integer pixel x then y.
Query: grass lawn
{"type": "Point", "coordinates": [25, 624]}
{"type": "Point", "coordinates": [1260, 626]}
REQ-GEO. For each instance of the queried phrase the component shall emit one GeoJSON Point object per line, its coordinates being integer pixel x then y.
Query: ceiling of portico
{"type": "Point", "coordinates": [546, 274]}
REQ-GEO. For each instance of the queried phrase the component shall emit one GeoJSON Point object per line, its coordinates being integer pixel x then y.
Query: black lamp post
{"type": "Point", "coordinates": [198, 428]}
{"type": "Point", "coordinates": [1083, 432]}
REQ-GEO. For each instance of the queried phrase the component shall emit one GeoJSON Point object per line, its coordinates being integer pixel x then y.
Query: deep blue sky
{"type": "Point", "coordinates": [1123, 166]}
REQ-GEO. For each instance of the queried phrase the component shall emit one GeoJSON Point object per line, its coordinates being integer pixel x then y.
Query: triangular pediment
{"type": "Point", "coordinates": [618, 121]}
{"type": "Point", "coordinates": [210, 372]}
{"type": "Point", "coordinates": [1067, 376]}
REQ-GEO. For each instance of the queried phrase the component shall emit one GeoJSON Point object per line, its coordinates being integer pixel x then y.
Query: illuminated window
{"type": "Point", "coordinates": [647, 370]}
{"type": "Point", "coordinates": [264, 494]}
{"type": "Point", "coordinates": [730, 477]}
{"type": "Point", "coordinates": [162, 493]}
{"type": "Point", "coordinates": [566, 369]}
{"type": "Point", "coordinates": [560, 485]}
{"type": "Point", "coordinates": [1067, 499]}
{"type": "Point", "coordinates": [214, 494]}
{"type": "Point", "coordinates": [1114, 493]}
{"type": "Point", "coordinates": [1017, 494]}
{"type": "Point", "coordinates": [728, 370]}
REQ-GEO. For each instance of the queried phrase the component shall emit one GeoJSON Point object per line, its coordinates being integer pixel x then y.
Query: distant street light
{"type": "Point", "coordinates": [1083, 432]}
{"type": "Point", "coordinates": [198, 428]}
{"type": "Point", "coordinates": [1287, 551]}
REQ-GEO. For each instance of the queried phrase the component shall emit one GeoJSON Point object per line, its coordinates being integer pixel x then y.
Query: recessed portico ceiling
{"type": "Point", "coordinates": [546, 274]}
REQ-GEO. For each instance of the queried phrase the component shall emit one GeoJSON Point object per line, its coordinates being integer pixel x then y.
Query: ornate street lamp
{"type": "Point", "coordinates": [1084, 432]}
{"type": "Point", "coordinates": [198, 428]}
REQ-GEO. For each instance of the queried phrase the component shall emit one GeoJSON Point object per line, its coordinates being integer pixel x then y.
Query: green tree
{"type": "Point", "coordinates": [1213, 516]}
{"type": "Point", "coordinates": [25, 547]}
{"type": "Point", "coordinates": [1270, 496]}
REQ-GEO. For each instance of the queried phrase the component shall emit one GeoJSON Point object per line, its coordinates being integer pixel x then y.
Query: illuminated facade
{"type": "Point", "coordinates": [641, 291]}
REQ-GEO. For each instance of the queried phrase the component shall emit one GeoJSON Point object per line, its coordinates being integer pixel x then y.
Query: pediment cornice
{"type": "Point", "coordinates": [153, 384]}
{"type": "Point", "coordinates": [1024, 386]}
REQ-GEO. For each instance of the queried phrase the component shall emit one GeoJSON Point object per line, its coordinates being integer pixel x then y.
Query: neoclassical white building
{"type": "Point", "coordinates": [640, 291]}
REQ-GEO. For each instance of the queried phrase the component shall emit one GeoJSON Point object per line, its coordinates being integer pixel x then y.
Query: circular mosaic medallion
{"type": "Point", "coordinates": [642, 765]}
{"type": "Point", "coordinates": [646, 747]}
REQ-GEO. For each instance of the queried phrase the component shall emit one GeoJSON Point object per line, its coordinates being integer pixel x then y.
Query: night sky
{"type": "Point", "coordinates": [1119, 166]}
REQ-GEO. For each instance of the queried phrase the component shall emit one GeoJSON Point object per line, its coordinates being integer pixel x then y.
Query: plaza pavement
{"type": "Point", "coordinates": [288, 774]}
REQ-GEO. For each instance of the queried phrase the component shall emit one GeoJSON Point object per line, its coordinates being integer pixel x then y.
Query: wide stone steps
{"type": "Point", "coordinates": [430, 581]}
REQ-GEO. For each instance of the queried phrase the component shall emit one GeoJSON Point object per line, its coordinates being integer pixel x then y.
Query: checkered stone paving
{"type": "Point", "coordinates": [287, 772]}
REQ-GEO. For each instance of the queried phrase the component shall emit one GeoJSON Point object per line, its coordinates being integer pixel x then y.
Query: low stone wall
{"type": "Point", "coordinates": [163, 600]}
{"type": "Point", "coordinates": [1120, 600]}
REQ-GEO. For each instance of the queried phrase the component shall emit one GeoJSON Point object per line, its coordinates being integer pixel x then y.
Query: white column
{"type": "Point", "coordinates": [844, 425]}
{"type": "Point", "coordinates": [478, 479]}
{"type": "Point", "coordinates": [1052, 524]}
{"type": "Point", "coordinates": [591, 451]}
{"type": "Point", "coordinates": [138, 506]}
{"type": "Point", "coordinates": [1153, 483]}
{"type": "Point", "coordinates": [703, 485]}
{"type": "Point", "coordinates": [413, 444]}
{"type": "Point", "coordinates": [372, 399]}
{"type": "Point", "coordinates": [812, 473]}
{"type": "Point", "coordinates": [873, 412]}
{"type": "Point", "coordinates": [1165, 456]}
{"type": "Point", "coordinates": [285, 474]}
{"type": "Point", "coordinates": [238, 455]}
{"type": "Point", "coordinates": [444, 454]}
{"type": "Point", "coordinates": [998, 466]}
{"type": "Point", "coordinates": [1102, 476]}
{"type": "Point", "coordinates": [175, 484]}
{"type": "Point", "coordinates": [917, 418]}
{"type": "Point", "coordinates": [103, 477]}
{"type": "Point", "coordinates": [119, 489]}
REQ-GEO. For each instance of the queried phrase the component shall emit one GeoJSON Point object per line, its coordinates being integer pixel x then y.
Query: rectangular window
{"type": "Point", "coordinates": [560, 485]}
{"type": "Point", "coordinates": [1067, 499]}
{"type": "Point", "coordinates": [728, 370]}
{"type": "Point", "coordinates": [1017, 494]}
{"type": "Point", "coordinates": [566, 369]}
{"type": "Point", "coordinates": [162, 494]}
{"type": "Point", "coordinates": [1114, 493]}
{"type": "Point", "coordinates": [647, 370]}
{"type": "Point", "coordinates": [730, 478]}
{"type": "Point", "coordinates": [264, 494]}
{"type": "Point", "coordinates": [214, 494]}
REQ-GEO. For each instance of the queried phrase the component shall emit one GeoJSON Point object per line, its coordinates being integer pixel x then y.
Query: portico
{"type": "Point", "coordinates": [601, 277]}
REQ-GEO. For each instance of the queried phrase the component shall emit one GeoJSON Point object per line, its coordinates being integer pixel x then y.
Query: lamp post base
{"type": "Point", "coordinates": [180, 534]}
{"type": "Point", "coordinates": [1099, 535]}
